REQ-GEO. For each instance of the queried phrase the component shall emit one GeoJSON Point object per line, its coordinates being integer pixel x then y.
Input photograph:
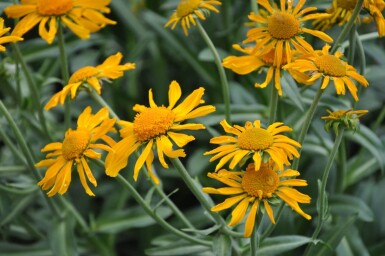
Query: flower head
{"type": "Point", "coordinates": [82, 17]}
{"type": "Point", "coordinates": [329, 66]}
{"type": "Point", "coordinates": [281, 30]}
{"type": "Point", "coordinates": [6, 39]}
{"type": "Point", "coordinates": [188, 9]}
{"type": "Point", "coordinates": [90, 76]}
{"type": "Point", "coordinates": [342, 10]}
{"type": "Point", "coordinates": [252, 140]}
{"type": "Point", "coordinates": [157, 127]}
{"type": "Point", "coordinates": [253, 62]}
{"type": "Point", "coordinates": [252, 188]}
{"type": "Point", "coordinates": [78, 146]}
{"type": "Point", "coordinates": [348, 118]}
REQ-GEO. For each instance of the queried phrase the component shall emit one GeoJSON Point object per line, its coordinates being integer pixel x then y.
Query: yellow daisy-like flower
{"type": "Point", "coordinates": [252, 62]}
{"type": "Point", "coordinates": [342, 10]}
{"type": "Point", "coordinates": [78, 146]}
{"type": "Point", "coordinates": [6, 39]}
{"type": "Point", "coordinates": [348, 118]}
{"type": "Point", "coordinates": [252, 188]}
{"type": "Point", "coordinates": [82, 17]}
{"type": "Point", "coordinates": [252, 140]}
{"type": "Point", "coordinates": [281, 30]}
{"type": "Point", "coordinates": [156, 127]}
{"type": "Point", "coordinates": [322, 64]}
{"type": "Point", "coordinates": [91, 76]}
{"type": "Point", "coordinates": [186, 11]}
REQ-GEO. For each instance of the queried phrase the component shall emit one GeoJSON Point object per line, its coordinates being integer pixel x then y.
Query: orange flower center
{"type": "Point", "coordinates": [153, 122]}
{"type": "Point", "coordinates": [282, 25]}
{"type": "Point", "coordinates": [83, 74]}
{"type": "Point", "coordinates": [187, 7]}
{"type": "Point", "coordinates": [331, 65]}
{"type": "Point", "coordinates": [75, 143]}
{"type": "Point", "coordinates": [54, 7]}
{"type": "Point", "coordinates": [262, 183]}
{"type": "Point", "coordinates": [255, 139]}
{"type": "Point", "coordinates": [346, 4]}
{"type": "Point", "coordinates": [268, 58]}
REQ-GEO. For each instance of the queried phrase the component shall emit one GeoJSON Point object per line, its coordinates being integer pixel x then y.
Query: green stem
{"type": "Point", "coordinates": [272, 226]}
{"type": "Point", "coordinates": [255, 237]}
{"type": "Point", "coordinates": [221, 70]}
{"type": "Point", "coordinates": [65, 73]}
{"type": "Point", "coordinates": [347, 27]}
{"type": "Point", "coordinates": [362, 58]}
{"type": "Point", "coordinates": [254, 6]}
{"type": "Point", "coordinates": [155, 216]}
{"type": "Point", "coordinates": [273, 104]}
{"type": "Point", "coordinates": [99, 99]}
{"type": "Point", "coordinates": [307, 122]}
{"type": "Point", "coordinates": [379, 120]}
{"type": "Point", "coordinates": [340, 184]}
{"type": "Point", "coordinates": [361, 38]}
{"type": "Point", "coordinates": [33, 88]}
{"type": "Point", "coordinates": [30, 162]}
{"type": "Point", "coordinates": [322, 192]}
{"type": "Point", "coordinates": [352, 44]}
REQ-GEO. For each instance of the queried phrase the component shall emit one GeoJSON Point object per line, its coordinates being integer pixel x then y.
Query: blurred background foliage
{"type": "Point", "coordinates": [116, 225]}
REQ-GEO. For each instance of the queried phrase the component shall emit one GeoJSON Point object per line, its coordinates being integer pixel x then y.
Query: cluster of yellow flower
{"type": "Point", "coordinates": [278, 44]}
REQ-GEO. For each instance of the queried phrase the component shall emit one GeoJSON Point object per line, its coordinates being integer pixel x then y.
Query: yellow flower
{"type": "Point", "coordinates": [342, 10]}
{"type": "Point", "coordinates": [348, 118]}
{"type": "Point", "coordinates": [322, 64]}
{"type": "Point", "coordinates": [252, 188]}
{"type": "Point", "coordinates": [82, 17]}
{"type": "Point", "coordinates": [6, 39]}
{"type": "Point", "coordinates": [252, 140]}
{"type": "Point", "coordinates": [281, 30]}
{"type": "Point", "coordinates": [252, 62]}
{"type": "Point", "coordinates": [188, 9]}
{"type": "Point", "coordinates": [91, 76]}
{"type": "Point", "coordinates": [156, 127]}
{"type": "Point", "coordinates": [77, 146]}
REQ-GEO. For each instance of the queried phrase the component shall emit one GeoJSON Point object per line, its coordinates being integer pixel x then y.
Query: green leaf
{"type": "Point", "coordinates": [116, 222]}
{"type": "Point", "coordinates": [18, 207]}
{"type": "Point", "coordinates": [222, 245]}
{"type": "Point", "coordinates": [40, 249]}
{"type": "Point", "coordinates": [360, 167]}
{"type": "Point", "coordinates": [332, 238]}
{"type": "Point", "coordinates": [240, 95]}
{"type": "Point", "coordinates": [206, 55]}
{"type": "Point", "coordinates": [178, 248]}
{"type": "Point", "coordinates": [290, 89]}
{"type": "Point", "coordinates": [369, 140]}
{"type": "Point", "coordinates": [348, 205]}
{"type": "Point", "coordinates": [280, 244]}
{"type": "Point", "coordinates": [62, 237]}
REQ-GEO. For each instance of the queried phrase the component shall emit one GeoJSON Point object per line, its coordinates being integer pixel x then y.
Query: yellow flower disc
{"type": "Point", "coordinates": [261, 184]}
{"type": "Point", "coordinates": [153, 122]}
{"type": "Point", "coordinates": [83, 74]}
{"type": "Point", "coordinates": [282, 25]}
{"type": "Point", "coordinates": [54, 7]}
{"type": "Point", "coordinates": [75, 143]}
{"type": "Point", "coordinates": [331, 65]}
{"type": "Point", "coordinates": [255, 139]}
{"type": "Point", "coordinates": [347, 4]}
{"type": "Point", "coordinates": [187, 7]}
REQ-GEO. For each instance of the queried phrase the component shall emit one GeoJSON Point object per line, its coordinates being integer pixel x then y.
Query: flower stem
{"type": "Point", "coordinates": [322, 199]}
{"type": "Point", "coordinates": [340, 184]}
{"type": "Point", "coordinates": [65, 73]}
{"type": "Point", "coordinates": [155, 216]}
{"type": "Point", "coordinates": [254, 6]}
{"type": "Point", "coordinates": [30, 162]}
{"type": "Point", "coordinates": [221, 70]}
{"type": "Point", "coordinates": [103, 103]}
{"type": "Point", "coordinates": [33, 88]}
{"type": "Point", "coordinates": [273, 104]}
{"type": "Point", "coordinates": [255, 237]}
{"type": "Point", "coordinates": [347, 27]}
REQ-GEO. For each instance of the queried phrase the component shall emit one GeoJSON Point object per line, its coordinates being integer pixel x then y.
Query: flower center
{"type": "Point", "coordinates": [153, 122]}
{"type": "Point", "coordinates": [269, 57]}
{"type": "Point", "coordinates": [187, 7]}
{"type": "Point", "coordinates": [331, 65]}
{"type": "Point", "coordinates": [262, 183]}
{"type": "Point", "coordinates": [83, 74]}
{"type": "Point", "coordinates": [75, 143]}
{"type": "Point", "coordinates": [282, 25]}
{"type": "Point", "coordinates": [54, 7]}
{"type": "Point", "coordinates": [255, 139]}
{"type": "Point", "coordinates": [347, 4]}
